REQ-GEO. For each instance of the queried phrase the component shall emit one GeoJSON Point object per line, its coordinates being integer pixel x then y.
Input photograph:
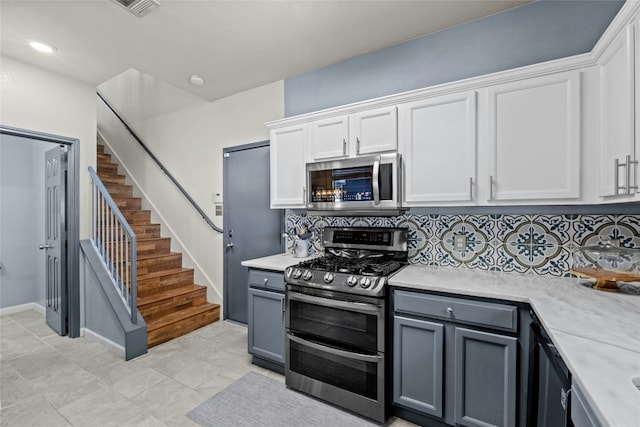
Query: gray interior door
{"type": "Point", "coordinates": [251, 228]}
{"type": "Point", "coordinates": [56, 238]}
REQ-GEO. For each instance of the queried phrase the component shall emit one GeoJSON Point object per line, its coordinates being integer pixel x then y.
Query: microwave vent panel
{"type": "Point", "coordinates": [139, 8]}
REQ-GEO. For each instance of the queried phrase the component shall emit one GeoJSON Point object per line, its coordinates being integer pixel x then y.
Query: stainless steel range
{"type": "Point", "coordinates": [336, 318]}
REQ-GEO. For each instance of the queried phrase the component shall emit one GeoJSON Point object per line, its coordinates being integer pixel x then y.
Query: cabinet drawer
{"type": "Point", "coordinates": [266, 279]}
{"type": "Point", "coordinates": [493, 315]}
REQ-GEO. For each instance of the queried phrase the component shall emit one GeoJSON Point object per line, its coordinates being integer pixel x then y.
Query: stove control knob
{"type": "Point", "coordinates": [296, 273]}
{"type": "Point", "coordinates": [328, 277]}
{"type": "Point", "coordinates": [352, 281]}
{"type": "Point", "coordinates": [307, 275]}
{"type": "Point", "coordinates": [365, 282]}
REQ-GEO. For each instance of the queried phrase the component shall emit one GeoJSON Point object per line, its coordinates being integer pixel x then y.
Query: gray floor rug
{"type": "Point", "coordinates": [256, 400]}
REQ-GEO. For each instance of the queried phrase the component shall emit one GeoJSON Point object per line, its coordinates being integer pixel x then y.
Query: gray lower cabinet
{"type": "Point", "coordinates": [447, 366]}
{"type": "Point", "coordinates": [266, 323]}
{"type": "Point", "coordinates": [581, 413]}
{"type": "Point", "coordinates": [418, 365]}
{"type": "Point", "coordinates": [485, 384]}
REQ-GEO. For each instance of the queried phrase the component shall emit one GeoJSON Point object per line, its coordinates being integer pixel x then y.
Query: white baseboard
{"type": "Point", "coordinates": [90, 335]}
{"type": "Point", "coordinates": [23, 307]}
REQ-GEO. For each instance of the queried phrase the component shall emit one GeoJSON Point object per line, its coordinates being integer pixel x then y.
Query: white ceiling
{"type": "Point", "coordinates": [235, 45]}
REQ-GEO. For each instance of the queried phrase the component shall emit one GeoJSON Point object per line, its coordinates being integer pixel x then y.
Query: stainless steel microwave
{"type": "Point", "coordinates": [363, 186]}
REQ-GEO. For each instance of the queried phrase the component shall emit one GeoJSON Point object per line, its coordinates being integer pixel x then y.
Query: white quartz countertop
{"type": "Point", "coordinates": [597, 333]}
{"type": "Point", "coordinates": [278, 262]}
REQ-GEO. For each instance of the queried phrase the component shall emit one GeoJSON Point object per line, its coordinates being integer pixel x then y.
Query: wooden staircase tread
{"type": "Point", "coordinates": [151, 256]}
{"type": "Point", "coordinates": [170, 293]}
{"type": "Point", "coordinates": [180, 315]}
{"type": "Point", "coordinates": [163, 273]}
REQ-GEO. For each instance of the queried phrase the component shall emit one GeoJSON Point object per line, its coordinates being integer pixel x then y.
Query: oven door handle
{"type": "Point", "coordinates": [335, 351]}
{"type": "Point", "coordinates": [361, 307]}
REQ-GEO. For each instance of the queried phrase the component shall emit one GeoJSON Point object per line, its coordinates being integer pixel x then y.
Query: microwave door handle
{"type": "Point", "coordinates": [375, 183]}
{"type": "Point", "coordinates": [335, 351]}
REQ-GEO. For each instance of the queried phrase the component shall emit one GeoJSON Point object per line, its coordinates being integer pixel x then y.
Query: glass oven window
{"type": "Point", "coordinates": [356, 376]}
{"type": "Point", "coordinates": [349, 330]}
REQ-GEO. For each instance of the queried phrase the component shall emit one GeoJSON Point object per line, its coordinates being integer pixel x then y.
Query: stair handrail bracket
{"type": "Point", "coordinates": [116, 244]}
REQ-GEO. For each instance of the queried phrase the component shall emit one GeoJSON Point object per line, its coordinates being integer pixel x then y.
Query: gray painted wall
{"type": "Point", "coordinates": [21, 221]}
{"type": "Point", "coordinates": [537, 32]}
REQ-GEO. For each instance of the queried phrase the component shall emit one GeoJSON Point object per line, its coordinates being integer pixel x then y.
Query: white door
{"type": "Point", "coordinates": [438, 146]}
{"type": "Point", "coordinates": [617, 130]}
{"type": "Point", "coordinates": [374, 131]}
{"type": "Point", "coordinates": [534, 139]}
{"type": "Point", "coordinates": [288, 150]}
{"type": "Point", "coordinates": [56, 238]}
{"type": "Point", "coordinates": [329, 138]}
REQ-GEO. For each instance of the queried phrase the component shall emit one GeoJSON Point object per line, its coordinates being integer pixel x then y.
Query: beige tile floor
{"type": "Point", "coordinates": [48, 380]}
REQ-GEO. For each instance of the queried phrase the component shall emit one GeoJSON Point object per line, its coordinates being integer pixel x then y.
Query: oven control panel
{"type": "Point", "coordinates": [341, 282]}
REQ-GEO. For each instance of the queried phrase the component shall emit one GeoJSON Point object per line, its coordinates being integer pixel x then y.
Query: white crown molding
{"type": "Point", "coordinates": [576, 62]}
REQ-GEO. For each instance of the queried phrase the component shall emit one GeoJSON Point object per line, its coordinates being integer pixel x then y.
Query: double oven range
{"type": "Point", "coordinates": [335, 318]}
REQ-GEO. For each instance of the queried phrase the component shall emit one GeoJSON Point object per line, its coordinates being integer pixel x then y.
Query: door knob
{"type": "Point", "coordinates": [229, 245]}
{"type": "Point", "coordinates": [45, 247]}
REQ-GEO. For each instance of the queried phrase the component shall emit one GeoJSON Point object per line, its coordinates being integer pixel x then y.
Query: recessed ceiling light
{"type": "Point", "coordinates": [196, 80]}
{"type": "Point", "coordinates": [41, 46]}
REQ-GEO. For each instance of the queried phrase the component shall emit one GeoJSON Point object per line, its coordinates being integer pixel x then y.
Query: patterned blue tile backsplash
{"type": "Point", "coordinates": [529, 244]}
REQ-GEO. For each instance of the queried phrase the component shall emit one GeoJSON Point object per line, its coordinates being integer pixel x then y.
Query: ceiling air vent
{"type": "Point", "coordinates": [139, 7]}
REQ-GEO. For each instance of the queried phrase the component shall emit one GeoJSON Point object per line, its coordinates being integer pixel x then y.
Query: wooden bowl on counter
{"type": "Point", "coordinates": [607, 264]}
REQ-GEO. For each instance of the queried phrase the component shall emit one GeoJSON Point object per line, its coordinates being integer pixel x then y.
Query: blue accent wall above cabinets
{"type": "Point", "coordinates": [529, 34]}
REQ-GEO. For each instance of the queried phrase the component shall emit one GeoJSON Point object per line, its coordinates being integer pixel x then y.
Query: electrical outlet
{"type": "Point", "coordinates": [218, 210]}
{"type": "Point", "coordinates": [459, 242]}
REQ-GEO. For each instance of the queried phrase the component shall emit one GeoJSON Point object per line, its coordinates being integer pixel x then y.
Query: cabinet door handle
{"type": "Point", "coordinates": [490, 187]}
{"type": "Point", "coordinates": [616, 176]}
{"type": "Point", "coordinates": [471, 188]}
{"type": "Point", "coordinates": [634, 174]}
{"type": "Point", "coordinates": [628, 185]}
{"type": "Point", "coordinates": [265, 280]}
{"type": "Point", "coordinates": [357, 145]}
{"type": "Point", "coordinates": [450, 310]}
{"type": "Point", "coordinates": [304, 195]}
{"type": "Point", "coordinates": [344, 147]}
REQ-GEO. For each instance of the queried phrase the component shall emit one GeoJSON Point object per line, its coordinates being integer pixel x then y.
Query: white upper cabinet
{"type": "Point", "coordinates": [367, 132]}
{"type": "Point", "coordinates": [534, 139]}
{"type": "Point", "coordinates": [374, 131]}
{"type": "Point", "coordinates": [329, 138]}
{"type": "Point", "coordinates": [618, 169]}
{"type": "Point", "coordinates": [437, 140]}
{"type": "Point", "coordinates": [287, 155]}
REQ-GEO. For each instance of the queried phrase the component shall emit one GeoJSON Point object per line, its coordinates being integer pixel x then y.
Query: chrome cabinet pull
{"type": "Point", "coordinates": [630, 187]}
{"type": "Point", "coordinates": [344, 147]}
{"type": "Point", "coordinates": [357, 145]}
{"type": "Point", "coordinates": [626, 187]}
{"type": "Point", "coordinates": [471, 188]}
{"type": "Point", "coordinates": [41, 247]}
{"type": "Point", "coordinates": [616, 176]}
{"type": "Point", "coordinates": [490, 188]}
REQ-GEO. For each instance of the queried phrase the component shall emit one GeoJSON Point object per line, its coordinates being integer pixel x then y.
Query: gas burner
{"type": "Point", "coordinates": [351, 264]}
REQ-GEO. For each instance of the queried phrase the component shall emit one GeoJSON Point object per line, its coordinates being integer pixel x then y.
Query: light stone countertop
{"type": "Point", "coordinates": [597, 333]}
{"type": "Point", "coordinates": [278, 262]}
